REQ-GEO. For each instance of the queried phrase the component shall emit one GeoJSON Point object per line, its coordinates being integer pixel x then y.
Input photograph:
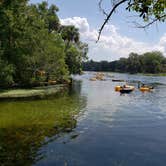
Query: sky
{"type": "Point", "coordinates": [120, 36]}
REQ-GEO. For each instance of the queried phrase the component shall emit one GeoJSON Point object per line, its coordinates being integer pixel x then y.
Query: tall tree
{"type": "Point", "coordinates": [76, 51]}
{"type": "Point", "coordinates": [133, 63]}
{"type": "Point", "coordinates": [31, 40]}
{"type": "Point", "coordinates": [49, 15]}
{"type": "Point", "coordinates": [70, 34]}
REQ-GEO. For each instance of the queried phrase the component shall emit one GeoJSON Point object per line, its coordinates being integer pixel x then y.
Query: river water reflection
{"type": "Point", "coordinates": [91, 126]}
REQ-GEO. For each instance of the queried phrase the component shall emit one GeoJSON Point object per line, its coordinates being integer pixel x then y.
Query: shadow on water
{"type": "Point", "coordinates": [26, 126]}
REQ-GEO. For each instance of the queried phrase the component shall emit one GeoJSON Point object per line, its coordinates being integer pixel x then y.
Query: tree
{"type": "Point", "coordinates": [75, 55]}
{"type": "Point", "coordinates": [133, 63]}
{"type": "Point", "coordinates": [49, 15]}
{"type": "Point", "coordinates": [76, 51]}
{"type": "Point", "coordinates": [32, 40]}
{"type": "Point", "coordinates": [6, 74]}
{"type": "Point", "coordinates": [70, 34]}
{"type": "Point", "coordinates": [121, 65]}
{"type": "Point", "coordinates": [150, 11]}
{"type": "Point", "coordinates": [150, 62]}
{"type": "Point", "coordinates": [54, 61]}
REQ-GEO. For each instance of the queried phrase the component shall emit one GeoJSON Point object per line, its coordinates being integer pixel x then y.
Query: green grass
{"type": "Point", "coordinates": [158, 74]}
{"type": "Point", "coordinates": [150, 74]}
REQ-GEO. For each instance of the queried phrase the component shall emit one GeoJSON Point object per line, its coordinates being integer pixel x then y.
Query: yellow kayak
{"type": "Point", "coordinates": [145, 89]}
{"type": "Point", "coordinates": [93, 79]}
{"type": "Point", "coordinates": [119, 88]}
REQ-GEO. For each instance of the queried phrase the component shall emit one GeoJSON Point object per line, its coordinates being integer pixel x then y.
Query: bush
{"type": "Point", "coordinates": [6, 74]}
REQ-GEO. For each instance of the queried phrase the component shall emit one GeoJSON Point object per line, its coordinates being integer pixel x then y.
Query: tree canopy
{"type": "Point", "coordinates": [150, 11]}
{"type": "Point", "coordinates": [150, 62]}
{"type": "Point", "coordinates": [34, 46]}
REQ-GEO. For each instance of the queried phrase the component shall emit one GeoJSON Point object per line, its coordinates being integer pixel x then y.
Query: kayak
{"type": "Point", "coordinates": [118, 80]}
{"type": "Point", "coordinates": [124, 89]}
{"type": "Point", "coordinates": [93, 79]}
{"type": "Point", "coordinates": [145, 89]}
{"type": "Point", "coordinates": [118, 88]}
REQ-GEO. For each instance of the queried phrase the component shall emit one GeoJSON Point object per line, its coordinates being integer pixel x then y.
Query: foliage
{"type": "Point", "coordinates": [49, 15]}
{"type": "Point", "coordinates": [150, 62]}
{"type": "Point", "coordinates": [150, 11]}
{"type": "Point", "coordinates": [75, 50]}
{"type": "Point", "coordinates": [6, 74]}
{"type": "Point", "coordinates": [75, 56]}
{"type": "Point", "coordinates": [153, 62]}
{"type": "Point", "coordinates": [134, 63]}
{"type": "Point", "coordinates": [70, 33]}
{"type": "Point", "coordinates": [32, 40]}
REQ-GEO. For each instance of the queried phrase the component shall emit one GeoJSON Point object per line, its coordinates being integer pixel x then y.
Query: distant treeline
{"type": "Point", "coordinates": [150, 62]}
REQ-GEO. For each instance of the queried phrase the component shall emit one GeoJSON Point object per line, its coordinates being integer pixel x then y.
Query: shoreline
{"type": "Point", "coordinates": [144, 74]}
{"type": "Point", "coordinates": [33, 93]}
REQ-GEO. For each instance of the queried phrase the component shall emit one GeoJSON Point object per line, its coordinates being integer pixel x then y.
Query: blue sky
{"type": "Point", "coordinates": [85, 13]}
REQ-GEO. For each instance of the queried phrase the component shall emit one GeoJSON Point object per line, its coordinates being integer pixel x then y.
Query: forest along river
{"type": "Point", "coordinates": [91, 126]}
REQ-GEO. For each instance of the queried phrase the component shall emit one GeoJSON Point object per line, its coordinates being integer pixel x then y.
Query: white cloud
{"type": "Point", "coordinates": [112, 44]}
{"type": "Point", "coordinates": [79, 22]}
{"type": "Point", "coordinates": [162, 43]}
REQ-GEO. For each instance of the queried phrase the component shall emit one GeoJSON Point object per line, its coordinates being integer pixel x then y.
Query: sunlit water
{"type": "Point", "coordinates": [91, 126]}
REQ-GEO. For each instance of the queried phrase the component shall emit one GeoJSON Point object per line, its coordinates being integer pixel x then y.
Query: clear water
{"type": "Point", "coordinates": [91, 126]}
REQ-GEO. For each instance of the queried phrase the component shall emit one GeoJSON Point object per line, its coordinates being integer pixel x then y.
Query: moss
{"type": "Point", "coordinates": [38, 92]}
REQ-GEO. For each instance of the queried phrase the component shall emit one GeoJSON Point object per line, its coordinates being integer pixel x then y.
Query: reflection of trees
{"type": "Point", "coordinates": [33, 126]}
{"type": "Point", "coordinates": [19, 146]}
{"type": "Point", "coordinates": [76, 87]}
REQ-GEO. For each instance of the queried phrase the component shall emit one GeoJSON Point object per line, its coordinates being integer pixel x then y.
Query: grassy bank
{"type": "Point", "coordinates": [150, 74]}
{"type": "Point", "coordinates": [158, 74]}
{"type": "Point", "coordinates": [38, 92]}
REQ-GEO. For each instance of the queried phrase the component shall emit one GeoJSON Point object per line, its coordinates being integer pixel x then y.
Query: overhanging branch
{"type": "Point", "coordinates": [151, 22]}
{"type": "Point", "coordinates": [101, 9]}
{"type": "Point", "coordinates": [108, 17]}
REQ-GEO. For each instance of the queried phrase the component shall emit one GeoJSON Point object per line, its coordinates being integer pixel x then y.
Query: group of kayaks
{"type": "Point", "coordinates": [98, 76]}
{"type": "Point", "coordinates": [125, 88]}
{"type": "Point", "coordinates": [129, 88]}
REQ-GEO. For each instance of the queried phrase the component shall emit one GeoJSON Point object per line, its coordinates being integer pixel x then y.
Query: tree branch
{"type": "Point", "coordinates": [152, 22]}
{"type": "Point", "coordinates": [101, 9]}
{"type": "Point", "coordinates": [108, 17]}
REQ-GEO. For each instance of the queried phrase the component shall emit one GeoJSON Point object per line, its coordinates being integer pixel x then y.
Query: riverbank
{"type": "Point", "coordinates": [37, 92]}
{"type": "Point", "coordinates": [158, 74]}
{"type": "Point", "coordinates": [145, 74]}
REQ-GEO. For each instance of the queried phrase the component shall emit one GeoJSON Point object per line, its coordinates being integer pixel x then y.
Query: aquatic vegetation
{"type": "Point", "coordinates": [25, 126]}
{"type": "Point", "coordinates": [39, 92]}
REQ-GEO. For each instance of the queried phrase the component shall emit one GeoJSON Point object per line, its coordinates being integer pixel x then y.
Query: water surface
{"type": "Point", "coordinates": [92, 125]}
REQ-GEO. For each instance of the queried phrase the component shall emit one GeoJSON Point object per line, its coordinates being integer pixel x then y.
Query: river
{"type": "Point", "coordinates": [91, 125]}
